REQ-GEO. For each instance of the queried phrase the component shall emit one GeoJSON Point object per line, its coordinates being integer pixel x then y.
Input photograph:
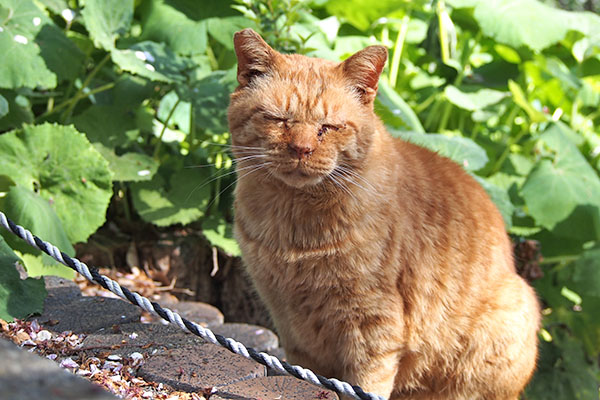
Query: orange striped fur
{"type": "Point", "coordinates": [382, 263]}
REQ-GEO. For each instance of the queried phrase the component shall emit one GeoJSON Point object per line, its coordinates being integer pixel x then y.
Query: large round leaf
{"type": "Point", "coordinates": [61, 165]}
{"type": "Point", "coordinates": [220, 233]}
{"type": "Point", "coordinates": [556, 187]}
{"type": "Point", "coordinates": [181, 201]}
{"type": "Point", "coordinates": [151, 60]}
{"type": "Point", "coordinates": [128, 167]}
{"type": "Point", "coordinates": [161, 22]}
{"type": "Point", "coordinates": [21, 63]}
{"type": "Point", "coordinates": [19, 298]}
{"type": "Point", "coordinates": [462, 150]}
{"type": "Point", "coordinates": [473, 100]}
{"type": "Point", "coordinates": [33, 212]}
{"type": "Point", "coordinates": [107, 20]}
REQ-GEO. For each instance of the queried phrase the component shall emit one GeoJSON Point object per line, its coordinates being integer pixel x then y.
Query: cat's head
{"type": "Point", "coordinates": [299, 118]}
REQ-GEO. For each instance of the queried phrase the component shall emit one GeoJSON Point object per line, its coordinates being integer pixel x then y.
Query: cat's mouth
{"type": "Point", "coordinates": [299, 175]}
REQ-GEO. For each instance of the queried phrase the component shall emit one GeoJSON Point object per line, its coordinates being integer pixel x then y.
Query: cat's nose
{"type": "Point", "coordinates": [301, 150]}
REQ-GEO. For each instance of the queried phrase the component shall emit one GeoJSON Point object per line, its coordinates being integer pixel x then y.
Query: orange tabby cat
{"type": "Point", "coordinates": [382, 263]}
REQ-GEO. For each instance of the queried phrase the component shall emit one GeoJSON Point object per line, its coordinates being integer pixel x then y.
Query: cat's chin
{"type": "Point", "coordinates": [298, 179]}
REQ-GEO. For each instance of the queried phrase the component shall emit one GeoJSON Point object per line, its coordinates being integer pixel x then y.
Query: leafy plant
{"type": "Point", "coordinates": [122, 105]}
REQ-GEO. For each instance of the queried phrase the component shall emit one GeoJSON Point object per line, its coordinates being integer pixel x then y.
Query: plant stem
{"type": "Point", "coordinates": [78, 95]}
{"type": "Point", "coordinates": [126, 209]}
{"type": "Point", "coordinates": [559, 259]}
{"type": "Point", "coordinates": [75, 99]}
{"type": "Point", "coordinates": [214, 64]}
{"type": "Point", "coordinates": [426, 103]}
{"type": "Point", "coordinates": [395, 64]}
{"type": "Point", "coordinates": [164, 128]}
{"type": "Point", "coordinates": [512, 140]}
{"type": "Point", "coordinates": [461, 122]}
{"type": "Point", "coordinates": [192, 134]}
{"type": "Point", "coordinates": [444, 46]}
{"type": "Point", "coordinates": [432, 114]}
{"type": "Point", "coordinates": [445, 116]}
{"type": "Point", "coordinates": [475, 132]}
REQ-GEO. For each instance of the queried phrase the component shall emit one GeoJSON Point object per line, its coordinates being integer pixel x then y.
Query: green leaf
{"type": "Point", "coordinates": [34, 213]}
{"type": "Point", "coordinates": [107, 20]}
{"type": "Point", "coordinates": [56, 6]}
{"type": "Point", "coordinates": [361, 13]}
{"type": "Point", "coordinates": [60, 54]}
{"type": "Point", "coordinates": [473, 100]}
{"type": "Point", "coordinates": [219, 233]}
{"type": "Point", "coordinates": [19, 298]}
{"type": "Point", "coordinates": [586, 273]}
{"type": "Point", "coordinates": [181, 115]}
{"type": "Point", "coordinates": [398, 108]}
{"type": "Point", "coordinates": [563, 371]}
{"type": "Point", "coordinates": [63, 167]}
{"type": "Point", "coordinates": [554, 188]}
{"type": "Point", "coordinates": [110, 125]}
{"type": "Point", "coordinates": [36, 266]}
{"type": "Point", "coordinates": [151, 60]}
{"type": "Point", "coordinates": [22, 65]}
{"type": "Point", "coordinates": [528, 22]}
{"type": "Point", "coordinates": [3, 106]}
{"type": "Point", "coordinates": [521, 100]}
{"type": "Point", "coordinates": [222, 29]}
{"type": "Point", "coordinates": [179, 202]}
{"type": "Point", "coordinates": [19, 111]}
{"type": "Point", "coordinates": [210, 99]}
{"type": "Point", "coordinates": [507, 53]}
{"type": "Point", "coordinates": [128, 167]}
{"type": "Point", "coordinates": [163, 23]}
{"type": "Point", "coordinates": [462, 150]}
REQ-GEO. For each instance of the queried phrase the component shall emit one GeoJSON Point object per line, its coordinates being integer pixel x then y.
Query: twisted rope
{"type": "Point", "coordinates": [93, 275]}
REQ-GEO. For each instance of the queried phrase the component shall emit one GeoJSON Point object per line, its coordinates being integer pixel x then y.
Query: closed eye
{"type": "Point", "coordinates": [279, 120]}
{"type": "Point", "coordinates": [326, 128]}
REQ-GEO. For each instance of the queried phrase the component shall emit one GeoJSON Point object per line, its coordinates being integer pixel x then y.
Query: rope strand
{"type": "Point", "coordinates": [92, 275]}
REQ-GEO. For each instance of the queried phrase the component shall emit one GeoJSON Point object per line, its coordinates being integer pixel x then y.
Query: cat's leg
{"type": "Point", "coordinates": [377, 375]}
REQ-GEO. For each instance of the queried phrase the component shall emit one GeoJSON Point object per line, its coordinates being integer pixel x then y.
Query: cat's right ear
{"type": "Point", "coordinates": [254, 55]}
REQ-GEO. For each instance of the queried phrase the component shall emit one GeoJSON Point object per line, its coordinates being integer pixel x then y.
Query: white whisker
{"type": "Point", "coordinates": [219, 176]}
{"type": "Point", "coordinates": [340, 184]}
{"type": "Point", "coordinates": [347, 174]}
{"type": "Point", "coordinates": [256, 168]}
{"type": "Point", "coordinates": [234, 160]}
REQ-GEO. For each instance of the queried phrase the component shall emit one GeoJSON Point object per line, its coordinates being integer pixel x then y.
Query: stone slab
{"type": "Point", "coordinates": [88, 314]}
{"type": "Point", "coordinates": [273, 387]}
{"type": "Point", "coordinates": [27, 376]}
{"type": "Point", "coordinates": [261, 339]}
{"type": "Point", "coordinates": [198, 368]}
{"type": "Point", "coordinates": [60, 291]}
{"type": "Point", "coordinates": [144, 338]}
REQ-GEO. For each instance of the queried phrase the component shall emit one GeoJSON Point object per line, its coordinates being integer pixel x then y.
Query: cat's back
{"type": "Point", "coordinates": [442, 198]}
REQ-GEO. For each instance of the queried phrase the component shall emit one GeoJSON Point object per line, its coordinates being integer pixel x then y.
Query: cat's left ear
{"type": "Point", "coordinates": [363, 70]}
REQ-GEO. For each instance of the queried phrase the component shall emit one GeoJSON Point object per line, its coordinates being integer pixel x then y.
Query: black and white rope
{"type": "Point", "coordinates": [272, 362]}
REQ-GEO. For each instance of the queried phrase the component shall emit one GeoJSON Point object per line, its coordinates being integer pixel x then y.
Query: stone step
{"type": "Point", "coordinates": [194, 369]}
{"type": "Point", "coordinates": [261, 339]}
{"type": "Point", "coordinates": [273, 387]}
{"type": "Point", "coordinates": [172, 357]}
